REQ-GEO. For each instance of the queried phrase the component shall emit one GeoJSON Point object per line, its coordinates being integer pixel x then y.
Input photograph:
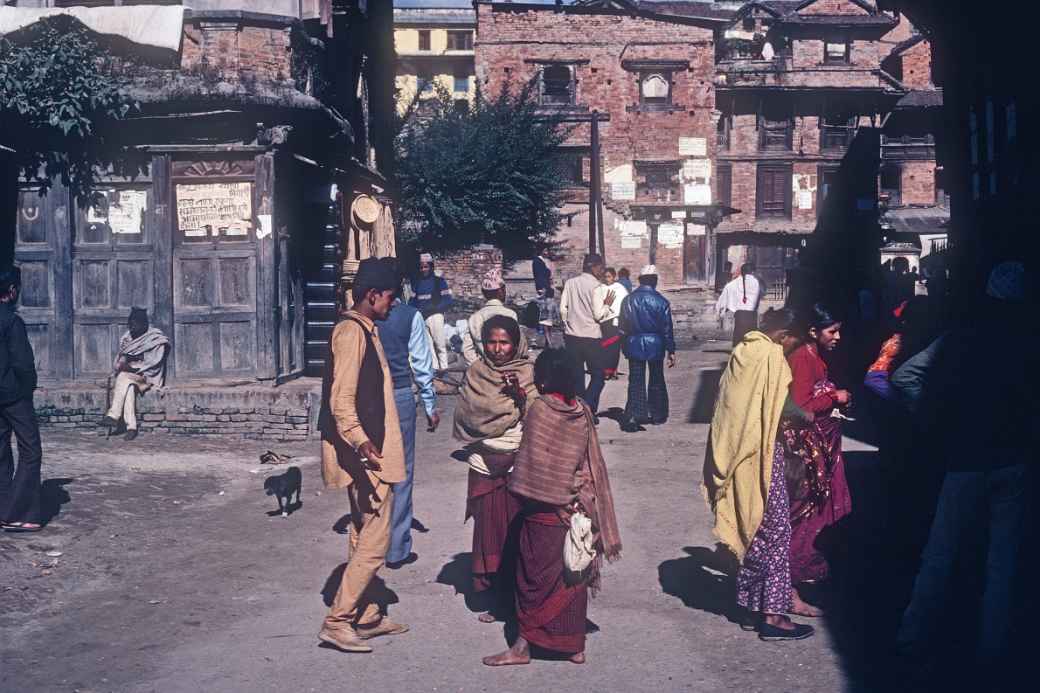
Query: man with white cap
{"type": "Point", "coordinates": [432, 296]}
{"type": "Point", "coordinates": [973, 400]}
{"type": "Point", "coordinates": [646, 321]}
{"type": "Point", "coordinates": [494, 289]}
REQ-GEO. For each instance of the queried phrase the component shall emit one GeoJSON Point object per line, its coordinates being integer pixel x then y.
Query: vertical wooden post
{"type": "Point", "coordinates": [162, 227]}
{"type": "Point", "coordinates": [594, 183]}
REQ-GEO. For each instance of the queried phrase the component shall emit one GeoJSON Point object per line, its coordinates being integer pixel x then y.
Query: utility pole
{"type": "Point", "coordinates": [595, 225]}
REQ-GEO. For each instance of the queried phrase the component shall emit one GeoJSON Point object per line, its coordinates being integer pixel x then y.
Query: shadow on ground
{"type": "Point", "coordinates": [704, 399]}
{"type": "Point", "coordinates": [705, 580]}
{"type": "Point", "coordinates": [377, 591]}
{"type": "Point", "coordinates": [52, 496]}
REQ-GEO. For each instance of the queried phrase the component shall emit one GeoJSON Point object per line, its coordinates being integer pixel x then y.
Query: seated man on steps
{"type": "Point", "coordinates": [140, 366]}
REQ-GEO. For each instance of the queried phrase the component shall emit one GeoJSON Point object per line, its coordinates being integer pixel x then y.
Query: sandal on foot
{"type": "Point", "coordinates": [23, 527]}
{"type": "Point", "coordinates": [770, 633]}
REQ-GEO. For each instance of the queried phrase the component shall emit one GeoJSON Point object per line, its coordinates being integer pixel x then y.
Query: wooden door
{"type": "Point", "coordinates": [215, 272]}
{"type": "Point", "coordinates": [113, 270]}
{"type": "Point", "coordinates": [41, 250]}
{"type": "Point", "coordinates": [695, 254]}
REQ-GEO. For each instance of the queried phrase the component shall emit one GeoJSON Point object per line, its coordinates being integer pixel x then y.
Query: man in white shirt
{"type": "Point", "coordinates": [741, 297]}
{"type": "Point", "coordinates": [494, 289]}
{"type": "Point", "coordinates": [581, 329]}
{"type": "Point", "coordinates": [608, 324]}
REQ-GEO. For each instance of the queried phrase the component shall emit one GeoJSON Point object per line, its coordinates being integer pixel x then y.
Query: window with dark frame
{"type": "Point", "coordinates": [892, 185]}
{"type": "Point", "coordinates": [836, 129]}
{"type": "Point", "coordinates": [773, 195]}
{"type": "Point", "coordinates": [723, 130]}
{"type": "Point", "coordinates": [836, 51]}
{"type": "Point", "coordinates": [775, 128]}
{"type": "Point", "coordinates": [655, 90]}
{"type": "Point", "coordinates": [724, 184]}
{"type": "Point", "coordinates": [424, 39]}
{"type": "Point", "coordinates": [658, 182]}
{"type": "Point", "coordinates": [557, 85]}
{"type": "Point", "coordinates": [572, 167]}
{"type": "Point", "coordinates": [460, 79]}
{"type": "Point", "coordinates": [425, 77]}
{"type": "Point", "coordinates": [827, 179]}
{"type": "Point", "coordinates": [460, 40]}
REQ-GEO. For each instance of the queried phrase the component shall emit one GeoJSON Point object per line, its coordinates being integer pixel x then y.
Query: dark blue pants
{"type": "Point", "coordinates": [20, 490]}
{"type": "Point", "coordinates": [646, 404]}
{"type": "Point", "coordinates": [992, 503]}
{"type": "Point", "coordinates": [588, 354]}
{"type": "Point", "coordinates": [401, 516]}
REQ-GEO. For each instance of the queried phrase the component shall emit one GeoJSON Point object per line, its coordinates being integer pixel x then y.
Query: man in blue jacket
{"type": "Point", "coordinates": [646, 321]}
{"type": "Point", "coordinates": [432, 296]}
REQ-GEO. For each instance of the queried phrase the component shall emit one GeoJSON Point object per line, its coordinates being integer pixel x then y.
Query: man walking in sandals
{"type": "Point", "coordinates": [362, 451]}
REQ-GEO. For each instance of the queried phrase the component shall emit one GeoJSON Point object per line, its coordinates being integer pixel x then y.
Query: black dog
{"type": "Point", "coordinates": [283, 486]}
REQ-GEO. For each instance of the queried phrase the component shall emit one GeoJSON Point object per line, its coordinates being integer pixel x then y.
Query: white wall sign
{"type": "Point", "coordinates": [670, 235]}
{"type": "Point", "coordinates": [619, 174]}
{"type": "Point", "coordinates": [693, 146]}
{"type": "Point", "coordinates": [633, 229]}
{"type": "Point", "coordinates": [679, 214]}
{"type": "Point", "coordinates": [805, 199]}
{"type": "Point", "coordinates": [264, 225]}
{"type": "Point", "coordinates": [215, 209]}
{"type": "Point", "coordinates": [697, 194]}
{"type": "Point", "coordinates": [631, 242]}
{"type": "Point", "coordinates": [623, 191]}
{"type": "Point", "coordinates": [697, 230]}
{"type": "Point", "coordinates": [697, 169]}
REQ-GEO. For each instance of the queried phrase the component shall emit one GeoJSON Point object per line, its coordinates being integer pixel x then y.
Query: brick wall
{"type": "Point", "coordinates": [464, 269]}
{"type": "Point", "coordinates": [832, 7]}
{"type": "Point", "coordinates": [918, 183]}
{"type": "Point", "coordinates": [234, 50]}
{"type": "Point", "coordinates": [288, 413]}
{"type": "Point", "coordinates": [506, 53]}
{"type": "Point", "coordinates": [917, 66]}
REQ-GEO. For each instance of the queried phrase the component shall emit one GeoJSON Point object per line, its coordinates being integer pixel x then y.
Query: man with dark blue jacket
{"type": "Point", "coordinates": [646, 321]}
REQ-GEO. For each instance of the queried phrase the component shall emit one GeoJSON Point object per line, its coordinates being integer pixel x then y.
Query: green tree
{"type": "Point", "coordinates": [60, 95]}
{"type": "Point", "coordinates": [488, 173]}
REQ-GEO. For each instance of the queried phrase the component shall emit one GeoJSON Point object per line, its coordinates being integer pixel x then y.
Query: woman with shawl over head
{"type": "Point", "coordinates": [744, 475]}
{"type": "Point", "coordinates": [489, 420]}
{"type": "Point", "coordinates": [559, 471]}
{"type": "Point", "coordinates": [816, 481]}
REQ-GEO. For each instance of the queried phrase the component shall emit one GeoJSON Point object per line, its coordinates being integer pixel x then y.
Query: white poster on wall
{"type": "Point", "coordinates": [697, 194]}
{"type": "Point", "coordinates": [697, 169]}
{"type": "Point", "coordinates": [693, 146]}
{"type": "Point", "coordinates": [633, 229]}
{"type": "Point", "coordinates": [126, 209]}
{"type": "Point", "coordinates": [804, 199]}
{"type": "Point", "coordinates": [631, 242]}
{"type": "Point", "coordinates": [670, 235]}
{"type": "Point", "coordinates": [215, 209]}
{"type": "Point", "coordinates": [680, 214]}
{"type": "Point", "coordinates": [623, 191]}
{"type": "Point", "coordinates": [697, 230]}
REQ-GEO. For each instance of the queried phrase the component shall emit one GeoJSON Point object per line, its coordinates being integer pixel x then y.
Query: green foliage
{"type": "Point", "coordinates": [489, 173]}
{"type": "Point", "coordinates": [59, 98]}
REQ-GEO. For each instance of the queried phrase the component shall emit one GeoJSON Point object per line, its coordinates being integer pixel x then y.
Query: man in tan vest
{"type": "Point", "coordinates": [362, 451]}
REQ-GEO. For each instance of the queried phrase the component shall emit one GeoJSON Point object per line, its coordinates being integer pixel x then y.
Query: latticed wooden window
{"type": "Point", "coordinates": [557, 85]}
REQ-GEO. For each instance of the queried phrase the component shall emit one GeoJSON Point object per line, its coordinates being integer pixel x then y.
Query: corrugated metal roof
{"type": "Point", "coordinates": [922, 98]}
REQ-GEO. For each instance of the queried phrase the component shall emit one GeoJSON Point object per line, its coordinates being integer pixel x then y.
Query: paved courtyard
{"type": "Point", "coordinates": [164, 570]}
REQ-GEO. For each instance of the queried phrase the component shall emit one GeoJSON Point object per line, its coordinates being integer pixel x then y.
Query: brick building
{"type": "Point", "coordinates": [251, 114]}
{"type": "Point", "coordinates": [728, 122]}
{"type": "Point", "coordinates": [650, 76]}
{"type": "Point", "coordinates": [434, 44]}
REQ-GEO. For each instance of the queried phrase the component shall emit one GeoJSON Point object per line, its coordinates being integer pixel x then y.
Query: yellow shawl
{"type": "Point", "coordinates": [739, 460]}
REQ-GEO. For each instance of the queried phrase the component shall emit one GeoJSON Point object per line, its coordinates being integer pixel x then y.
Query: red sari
{"type": "Point", "coordinates": [819, 492]}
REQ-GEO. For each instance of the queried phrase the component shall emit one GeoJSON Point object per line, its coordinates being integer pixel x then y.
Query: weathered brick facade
{"type": "Point", "coordinates": [464, 269]}
{"type": "Point", "coordinates": [608, 75]}
{"type": "Point", "coordinates": [236, 50]}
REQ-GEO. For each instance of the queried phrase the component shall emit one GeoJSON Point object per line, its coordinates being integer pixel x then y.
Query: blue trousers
{"type": "Point", "coordinates": [401, 517]}
{"type": "Point", "coordinates": [995, 504]}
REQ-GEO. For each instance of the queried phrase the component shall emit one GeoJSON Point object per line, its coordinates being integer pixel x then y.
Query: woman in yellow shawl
{"type": "Point", "coordinates": [744, 475]}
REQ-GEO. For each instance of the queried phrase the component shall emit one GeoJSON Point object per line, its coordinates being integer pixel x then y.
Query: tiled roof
{"type": "Point", "coordinates": [406, 16]}
{"type": "Point", "coordinates": [689, 8]}
{"type": "Point", "coordinates": [916, 220]}
{"type": "Point", "coordinates": [842, 20]}
{"type": "Point", "coordinates": [904, 45]}
{"type": "Point", "coordinates": [922, 98]}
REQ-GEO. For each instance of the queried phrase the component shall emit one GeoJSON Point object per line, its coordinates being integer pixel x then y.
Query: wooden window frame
{"type": "Point", "coordinates": [846, 59]}
{"type": "Point", "coordinates": [836, 137]}
{"type": "Point", "coordinates": [768, 129]}
{"type": "Point", "coordinates": [580, 154]}
{"type": "Point", "coordinates": [655, 103]}
{"type": "Point", "coordinates": [823, 171]}
{"type": "Point", "coordinates": [645, 171]}
{"type": "Point", "coordinates": [572, 86]}
{"type": "Point", "coordinates": [724, 132]}
{"type": "Point", "coordinates": [894, 200]}
{"type": "Point", "coordinates": [425, 37]}
{"type": "Point", "coordinates": [724, 184]}
{"type": "Point", "coordinates": [771, 209]}
{"type": "Point", "coordinates": [467, 39]}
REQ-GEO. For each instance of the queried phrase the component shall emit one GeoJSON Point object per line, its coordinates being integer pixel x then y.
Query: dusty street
{"type": "Point", "coordinates": [174, 576]}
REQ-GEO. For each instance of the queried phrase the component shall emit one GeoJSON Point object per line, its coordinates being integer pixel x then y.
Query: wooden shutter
{"type": "Point", "coordinates": [724, 184]}
{"type": "Point", "coordinates": [774, 191]}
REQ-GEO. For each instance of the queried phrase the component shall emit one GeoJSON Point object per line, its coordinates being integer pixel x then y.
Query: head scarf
{"type": "Point", "coordinates": [484, 410]}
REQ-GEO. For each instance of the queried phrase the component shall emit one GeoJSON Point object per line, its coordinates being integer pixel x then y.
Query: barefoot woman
{"type": "Point", "coordinates": [559, 470]}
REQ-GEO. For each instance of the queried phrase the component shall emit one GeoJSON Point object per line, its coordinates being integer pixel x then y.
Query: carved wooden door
{"type": "Point", "coordinates": [113, 270]}
{"type": "Point", "coordinates": [215, 268]}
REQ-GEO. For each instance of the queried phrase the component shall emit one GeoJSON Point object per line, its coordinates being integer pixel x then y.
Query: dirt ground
{"type": "Point", "coordinates": [165, 570]}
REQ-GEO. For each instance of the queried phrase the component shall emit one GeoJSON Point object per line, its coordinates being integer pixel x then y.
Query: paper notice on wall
{"type": "Point", "coordinates": [264, 225]}
{"type": "Point", "coordinates": [696, 230]}
{"type": "Point", "coordinates": [803, 181]}
{"type": "Point", "coordinates": [633, 229]}
{"type": "Point", "coordinates": [670, 235]}
{"type": "Point", "coordinates": [619, 174]}
{"type": "Point", "coordinates": [697, 170]}
{"type": "Point", "coordinates": [680, 214]}
{"type": "Point", "coordinates": [126, 210]}
{"type": "Point", "coordinates": [623, 191]}
{"type": "Point", "coordinates": [217, 209]}
{"type": "Point", "coordinates": [631, 242]}
{"type": "Point", "coordinates": [697, 194]}
{"type": "Point", "coordinates": [693, 146]}
{"type": "Point", "coordinates": [805, 199]}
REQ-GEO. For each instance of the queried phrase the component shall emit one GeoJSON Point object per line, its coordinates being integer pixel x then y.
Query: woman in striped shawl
{"type": "Point", "coordinates": [559, 470]}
